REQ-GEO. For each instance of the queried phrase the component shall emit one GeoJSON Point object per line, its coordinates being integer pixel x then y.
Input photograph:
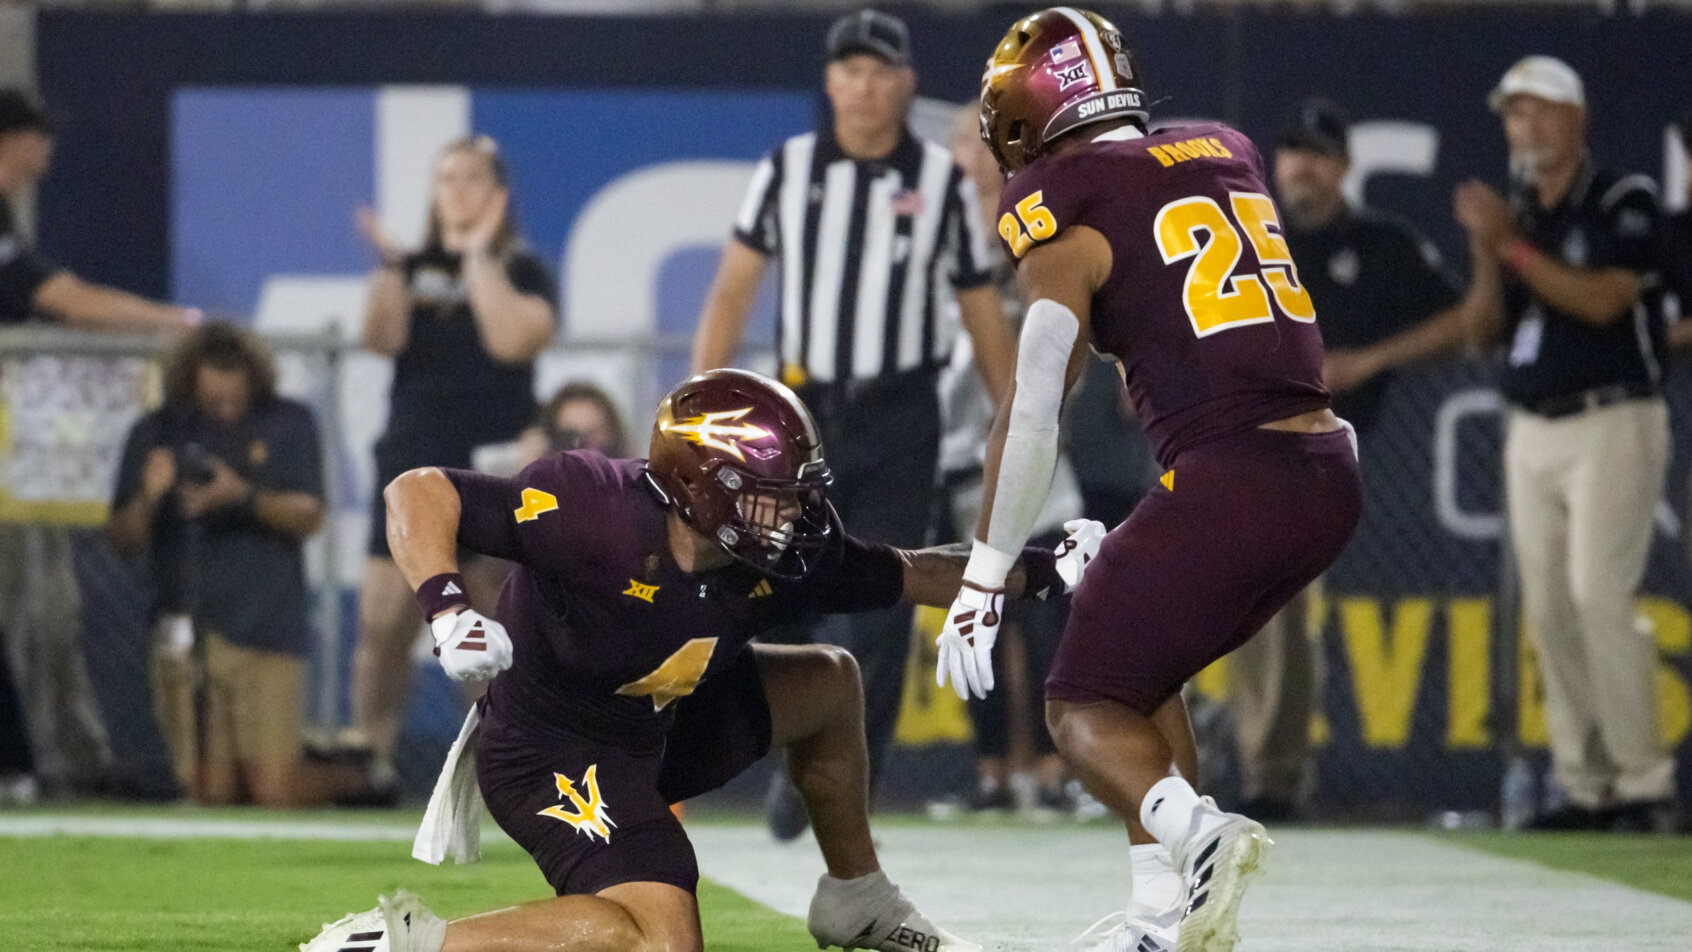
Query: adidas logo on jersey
{"type": "Point", "coordinates": [761, 589]}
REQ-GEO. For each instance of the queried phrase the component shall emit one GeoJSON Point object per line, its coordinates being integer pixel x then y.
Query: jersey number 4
{"type": "Point", "coordinates": [1217, 296]}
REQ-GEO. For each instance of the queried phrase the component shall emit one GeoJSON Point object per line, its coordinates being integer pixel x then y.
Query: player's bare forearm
{"type": "Point", "coordinates": [423, 513]}
{"type": "Point", "coordinates": [728, 306]}
{"type": "Point", "coordinates": [514, 326]}
{"type": "Point", "coordinates": [934, 575]}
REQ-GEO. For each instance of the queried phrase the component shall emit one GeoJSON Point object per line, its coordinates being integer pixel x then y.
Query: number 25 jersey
{"type": "Point", "coordinates": [1203, 309]}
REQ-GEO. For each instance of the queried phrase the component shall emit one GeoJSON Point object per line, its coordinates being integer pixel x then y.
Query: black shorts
{"type": "Point", "coordinates": [617, 827]}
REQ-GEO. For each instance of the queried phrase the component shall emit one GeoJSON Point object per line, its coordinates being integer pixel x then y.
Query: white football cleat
{"type": "Point", "coordinates": [884, 920]}
{"type": "Point", "coordinates": [1219, 859]}
{"type": "Point", "coordinates": [400, 924]}
{"type": "Point", "coordinates": [1124, 932]}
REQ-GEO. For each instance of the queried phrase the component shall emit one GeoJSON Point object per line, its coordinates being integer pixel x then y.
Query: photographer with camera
{"type": "Point", "coordinates": [220, 486]}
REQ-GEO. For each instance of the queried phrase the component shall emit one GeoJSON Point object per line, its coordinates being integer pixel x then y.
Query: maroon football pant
{"type": "Point", "coordinates": [1232, 533]}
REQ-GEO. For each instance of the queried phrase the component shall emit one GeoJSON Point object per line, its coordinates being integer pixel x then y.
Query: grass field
{"type": "Point", "coordinates": [111, 894]}
{"type": "Point", "coordinates": [161, 889]}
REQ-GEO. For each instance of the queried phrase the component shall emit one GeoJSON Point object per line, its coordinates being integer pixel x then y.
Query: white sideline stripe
{"type": "Point", "coordinates": [1018, 889]}
{"type": "Point", "coordinates": [167, 828]}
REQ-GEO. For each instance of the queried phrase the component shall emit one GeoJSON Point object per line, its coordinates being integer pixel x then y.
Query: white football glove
{"type": "Point", "coordinates": [471, 645]}
{"type": "Point", "coordinates": [966, 643]}
{"type": "Point", "coordinates": [1077, 549]}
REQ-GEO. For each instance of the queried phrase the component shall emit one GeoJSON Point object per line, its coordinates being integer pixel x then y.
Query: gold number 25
{"type": "Point", "coordinates": [1037, 223]}
{"type": "Point", "coordinates": [1216, 297]}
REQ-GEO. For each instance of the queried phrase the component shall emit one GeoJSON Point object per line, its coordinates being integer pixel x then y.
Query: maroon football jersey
{"type": "Point", "coordinates": [609, 634]}
{"type": "Point", "coordinates": [1203, 308]}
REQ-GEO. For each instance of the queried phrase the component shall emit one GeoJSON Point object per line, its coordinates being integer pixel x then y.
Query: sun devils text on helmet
{"type": "Point", "coordinates": [739, 459]}
{"type": "Point", "coordinates": [1055, 71]}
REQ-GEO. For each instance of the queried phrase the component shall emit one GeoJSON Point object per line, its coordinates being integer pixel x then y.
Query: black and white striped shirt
{"type": "Point", "coordinates": [869, 252]}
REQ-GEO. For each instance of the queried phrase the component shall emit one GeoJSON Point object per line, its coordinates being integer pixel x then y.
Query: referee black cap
{"type": "Point", "coordinates": [870, 31]}
{"type": "Point", "coordinates": [20, 111]}
{"type": "Point", "coordinates": [1318, 125]}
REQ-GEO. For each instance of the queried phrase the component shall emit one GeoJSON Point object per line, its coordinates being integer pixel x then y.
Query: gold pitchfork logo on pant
{"type": "Point", "coordinates": [590, 816]}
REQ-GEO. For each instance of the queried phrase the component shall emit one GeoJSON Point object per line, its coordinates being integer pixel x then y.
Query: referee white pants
{"type": "Point", "coordinates": [1581, 492]}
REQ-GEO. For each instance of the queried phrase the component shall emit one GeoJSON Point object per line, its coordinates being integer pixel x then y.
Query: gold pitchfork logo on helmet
{"type": "Point", "coordinates": [712, 430]}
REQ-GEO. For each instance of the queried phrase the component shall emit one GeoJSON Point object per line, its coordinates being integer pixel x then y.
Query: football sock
{"type": "Point", "coordinates": [1156, 884]}
{"type": "Point", "coordinates": [865, 892]}
{"type": "Point", "coordinates": [1168, 810]}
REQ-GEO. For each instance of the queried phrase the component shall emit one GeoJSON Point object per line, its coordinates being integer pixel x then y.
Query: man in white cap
{"type": "Point", "coordinates": [1564, 274]}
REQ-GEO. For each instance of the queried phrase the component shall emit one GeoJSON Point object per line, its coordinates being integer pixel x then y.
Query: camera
{"type": "Point", "coordinates": [194, 464]}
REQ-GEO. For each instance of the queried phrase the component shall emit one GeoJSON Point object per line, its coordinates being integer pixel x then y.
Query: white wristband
{"type": "Point", "coordinates": [988, 567]}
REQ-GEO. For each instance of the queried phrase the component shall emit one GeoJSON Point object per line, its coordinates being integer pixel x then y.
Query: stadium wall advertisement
{"type": "Point", "coordinates": [218, 160]}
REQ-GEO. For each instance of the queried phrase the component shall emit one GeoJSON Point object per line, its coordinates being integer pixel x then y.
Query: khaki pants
{"type": "Point", "coordinates": [254, 713]}
{"type": "Point", "coordinates": [40, 612]}
{"type": "Point", "coordinates": [1581, 493]}
{"type": "Point", "coordinates": [1272, 688]}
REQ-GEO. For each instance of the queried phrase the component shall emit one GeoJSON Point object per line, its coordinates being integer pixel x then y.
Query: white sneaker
{"type": "Point", "coordinates": [1216, 865]}
{"type": "Point", "coordinates": [1125, 932]}
{"type": "Point", "coordinates": [887, 922]}
{"type": "Point", "coordinates": [400, 924]}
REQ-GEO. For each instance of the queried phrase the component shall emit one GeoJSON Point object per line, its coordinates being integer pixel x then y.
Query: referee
{"type": "Point", "coordinates": [874, 229]}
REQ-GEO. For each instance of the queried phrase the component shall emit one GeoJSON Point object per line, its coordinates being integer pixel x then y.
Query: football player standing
{"type": "Point", "coordinates": [1162, 249]}
{"type": "Point", "coordinates": [626, 680]}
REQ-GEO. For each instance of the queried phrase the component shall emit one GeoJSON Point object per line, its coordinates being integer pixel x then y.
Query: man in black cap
{"type": "Point", "coordinates": [1384, 302]}
{"type": "Point", "coordinates": [877, 234]}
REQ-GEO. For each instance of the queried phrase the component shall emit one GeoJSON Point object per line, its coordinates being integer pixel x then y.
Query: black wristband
{"type": "Point", "coordinates": [441, 592]}
{"type": "Point", "coordinates": [1040, 575]}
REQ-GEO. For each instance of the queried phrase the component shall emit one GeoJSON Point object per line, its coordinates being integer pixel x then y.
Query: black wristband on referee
{"type": "Point", "coordinates": [441, 592]}
{"type": "Point", "coordinates": [1040, 575]}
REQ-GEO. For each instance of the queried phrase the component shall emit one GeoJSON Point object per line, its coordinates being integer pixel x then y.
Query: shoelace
{"type": "Point", "coordinates": [1116, 919]}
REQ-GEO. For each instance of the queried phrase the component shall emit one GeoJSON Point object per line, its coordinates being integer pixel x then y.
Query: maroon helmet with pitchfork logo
{"type": "Point", "coordinates": [739, 459]}
{"type": "Point", "coordinates": [1055, 71]}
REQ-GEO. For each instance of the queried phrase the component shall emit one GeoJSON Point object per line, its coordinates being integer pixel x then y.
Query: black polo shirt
{"type": "Point", "coordinates": [237, 577]}
{"type": "Point", "coordinates": [1606, 221]}
{"type": "Point", "coordinates": [22, 271]}
{"type": "Point", "coordinates": [1370, 276]}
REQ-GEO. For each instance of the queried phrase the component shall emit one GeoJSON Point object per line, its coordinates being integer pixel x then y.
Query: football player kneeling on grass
{"type": "Point", "coordinates": [624, 679]}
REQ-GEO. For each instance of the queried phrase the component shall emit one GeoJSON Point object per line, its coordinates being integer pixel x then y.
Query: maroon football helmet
{"type": "Point", "coordinates": [739, 459]}
{"type": "Point", "coordinates": [1055, 71]}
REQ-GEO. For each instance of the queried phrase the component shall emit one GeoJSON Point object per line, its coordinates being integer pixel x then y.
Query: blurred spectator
{"type": "Point", "coordinates": [1010, 721]}
{"type": "Point", "coordinates": [464, 318]}
{"type": "Point", "coordinates": [1382, 302]}
{"type": "Point", "coordinates": [1565, 272]}
{"type": "Point", "coordinates": [220, 486]}
{"type": "Point", "coordinates": [579, 416]}
{"type": "Point", "coordinates": [857, 336]}
{"type": "Point", "coordinates": [43, 621]}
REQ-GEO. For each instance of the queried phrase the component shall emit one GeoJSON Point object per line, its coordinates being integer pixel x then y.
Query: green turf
{"type": "Point", "coordinates": [95, 894]}
{"type": "Point", "coordinates": [1653, 863]}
